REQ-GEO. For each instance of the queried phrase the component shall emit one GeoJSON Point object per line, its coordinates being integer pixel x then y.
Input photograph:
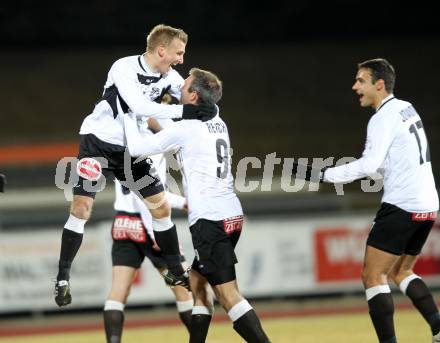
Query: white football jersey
{"type": "Point", "coordinates": [206, 163]}
{"type": "Point", "coordinates": [127, 201]}
{"type": "Point", "coordinates": [398, 149]}
{"type": "Point", "coordinates": [131, 87]}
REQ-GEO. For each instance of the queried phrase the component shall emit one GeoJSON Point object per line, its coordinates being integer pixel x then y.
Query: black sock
{"type": "Point", "coordinates": [185, 317]}
{"type": "Point", "coordinates": [169, 245]}
{"type": "Point", "coordinates": [113, 323]}
{"type": "Point", "coordinates": [70, 243]}
{"type": "Point", "coordinates": [381, 309]}
{"type": "Point", "coordinates": [199, 328]}
{"type": "Point", "coordinates": [391, 340]}
{"type": "Point", "coordinates": [249, 327]}
{"type": "Point", "coordinates": [422, 299]}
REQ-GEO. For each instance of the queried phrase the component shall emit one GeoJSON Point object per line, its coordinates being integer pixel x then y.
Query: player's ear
{"type": "Point", "coordinates": [194, 97]}
{"type": "Point", "coordinates": [380, 84]}
{"type": "Point", "coordinates": [161, 50]}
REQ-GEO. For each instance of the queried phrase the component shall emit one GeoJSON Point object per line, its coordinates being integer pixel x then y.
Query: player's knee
{"type": "Point", "coordinates": [81, 209]}
{"type": "Point", "coordinates": [367, 277]}
{"type": "Point", "coordinates": [162, 211]}
{"type": "Point", "coordinates": [372, 278]}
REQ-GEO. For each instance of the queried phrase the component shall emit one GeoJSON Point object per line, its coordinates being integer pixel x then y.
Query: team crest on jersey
{"type": "Point", "coordinates": [155, 92]}
{"type": "Point", "coordinates": [89, 169]}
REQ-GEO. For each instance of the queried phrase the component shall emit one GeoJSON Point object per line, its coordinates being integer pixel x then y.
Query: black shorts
{"type": "Point", "coordinates": [400, 232]}
{"type": "Point", "coordinates": [214, 243]}
{"type": "Point", "coordinates": [131, 243]}
{"type": "Point", "coordinates": [109, 159]}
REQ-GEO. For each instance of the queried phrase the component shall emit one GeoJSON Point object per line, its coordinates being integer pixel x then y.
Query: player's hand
{"type": "Point", "coordinates": [172, 280]}
{"type": "Point", "coordinates": [203, 112]}
{"type": "Point", "coordinates": [154, 125]}
{"type": "Point", "coordinates": [308, 173]}
{"type": "Point", "coordinates": [155, 246]}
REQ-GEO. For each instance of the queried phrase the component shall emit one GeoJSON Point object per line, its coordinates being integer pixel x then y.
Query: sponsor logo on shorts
{"type": "Point", "coordinates": [129, 228]}
{"type": "Point", "coordinates": [233, 224]}
{"type": "Point", "coordinates": [89, 169]}
{"type": "Point", "coordinates": [420, 217]}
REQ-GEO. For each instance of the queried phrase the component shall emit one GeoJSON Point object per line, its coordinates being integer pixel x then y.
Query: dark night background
{"type": "Point", "coordinates": [287, 66]}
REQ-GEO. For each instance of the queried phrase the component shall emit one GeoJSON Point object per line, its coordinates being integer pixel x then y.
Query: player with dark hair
{"type": "Point", "coordinates": [397, 148]}
{"type": "Point", "coordinates": [215, 213]}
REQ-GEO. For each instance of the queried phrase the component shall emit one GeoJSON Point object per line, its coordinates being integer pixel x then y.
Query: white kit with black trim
{"type": "Point", "coordinates": [398, 149]}
{"type": "Point", "coordinates": [205, 159]}
{"type": "Point", "coordinates": [131, 87]}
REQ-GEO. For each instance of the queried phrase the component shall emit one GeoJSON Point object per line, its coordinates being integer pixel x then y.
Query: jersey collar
{"type": "Point", "coordinates": [144, 66]}
{"type": "Point", "coordinates": [385, 101]}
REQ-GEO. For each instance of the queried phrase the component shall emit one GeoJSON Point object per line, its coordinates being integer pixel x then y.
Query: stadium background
{"type": "Point", "coordinates": [287, 69]}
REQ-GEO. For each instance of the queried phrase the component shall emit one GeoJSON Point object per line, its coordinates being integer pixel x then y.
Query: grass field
{"type": "Point", "coordinates": [340, 328]}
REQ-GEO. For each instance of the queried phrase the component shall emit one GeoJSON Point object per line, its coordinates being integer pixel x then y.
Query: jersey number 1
{"type": "Point", "coordinates": [419, 127]}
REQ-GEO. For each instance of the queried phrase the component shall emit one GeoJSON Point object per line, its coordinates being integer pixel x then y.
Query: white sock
{"type": "Point", "coordinates": [373, 291]}
{"type": "Point", "coordinates": [162, 224]}
{"type": "Point", "coordinates": [405, 282]}
{"type": "Point", "coordinates": [113, 305]}
{"type": "Point", "coordinates": [75, 224]}
{"type": "Point", "coordinates": [183, 306]}
{"type": "Point", "coordinates": [203, 310]}
{"type": "Point", "coordinates": [239, 310]}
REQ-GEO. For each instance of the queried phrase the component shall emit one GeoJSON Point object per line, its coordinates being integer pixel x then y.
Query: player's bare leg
{"type": "Point", "coordinates": [377, 265]}
{"type": "Point", "coordinates": [184, 301]}
{"type": "Point", "coordinates": [122, 280]}
{"type": "Point", "coordinates": [165, 234]}
{"type": "Point", "coordinates": [415, 288]}
{"type": "Point", "coordinates": [80, 210]}
{"type": "Point", "coordinates": [203, 307]}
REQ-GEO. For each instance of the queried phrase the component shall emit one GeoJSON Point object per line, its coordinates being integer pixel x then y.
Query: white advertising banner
{"type": "Point", "coordinates": [278, 256]}
{"type": "Point", "coordinates": [28, 267]}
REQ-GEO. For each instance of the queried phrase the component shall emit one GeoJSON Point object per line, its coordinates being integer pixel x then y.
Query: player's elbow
{"type": "Point", "coordinates": [134, 150]}
{"type": "Point", "coordinates": [137, 108]}
{"type": "Point", "coordinates": [370, 166]}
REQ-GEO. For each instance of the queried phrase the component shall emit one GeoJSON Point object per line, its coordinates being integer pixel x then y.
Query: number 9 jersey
{"type": "Point", "coordinates": [205, 157]}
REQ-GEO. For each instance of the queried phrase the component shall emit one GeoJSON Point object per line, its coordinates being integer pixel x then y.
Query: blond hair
{"type": "Point", "coordinates": [163, 35]}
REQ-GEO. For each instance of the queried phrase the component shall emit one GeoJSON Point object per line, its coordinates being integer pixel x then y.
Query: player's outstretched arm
{"type": "Point", "coordinates": [166, 140]}
{"type": "Point", "coordinates": [308, 173]}
{"type": "Point", "coordinates": [311, 174]}
{"type": "Point", "coordinates": [137, 144]}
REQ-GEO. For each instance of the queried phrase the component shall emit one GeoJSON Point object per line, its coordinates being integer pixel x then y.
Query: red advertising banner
{"type": "Point", "coordinates": [339, 253]}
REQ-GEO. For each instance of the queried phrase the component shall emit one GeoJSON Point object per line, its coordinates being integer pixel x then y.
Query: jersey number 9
{"type": "Point", "coordinates": [222, 157]}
